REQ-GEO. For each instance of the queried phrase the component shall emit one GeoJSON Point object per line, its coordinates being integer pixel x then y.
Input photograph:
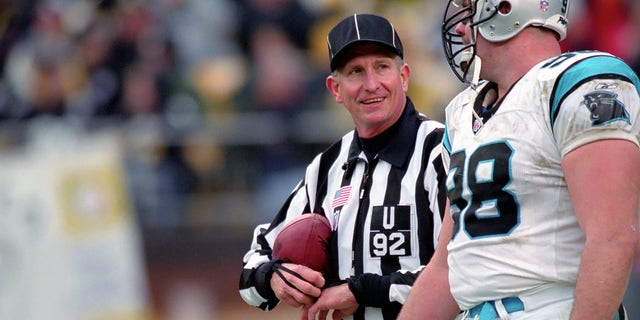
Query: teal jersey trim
{"type": "Point", "coordinates": [605, 67]}
{"type": "Point", "coordinates": [445, 140]}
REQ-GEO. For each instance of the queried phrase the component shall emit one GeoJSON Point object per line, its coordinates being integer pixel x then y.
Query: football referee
{"type": "Point", "coordinates": [381, 186]}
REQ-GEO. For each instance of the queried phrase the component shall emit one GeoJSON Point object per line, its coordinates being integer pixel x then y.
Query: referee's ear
{"type": "Point", "coordinates": [405, 73]}
{"type": "Point", "coordinates": [333, 85]}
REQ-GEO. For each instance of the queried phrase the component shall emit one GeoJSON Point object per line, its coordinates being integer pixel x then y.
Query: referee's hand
{"type": "Point", "coordinates": [339, 300]}
{"type": "Point", "coordinates": [296, 284]}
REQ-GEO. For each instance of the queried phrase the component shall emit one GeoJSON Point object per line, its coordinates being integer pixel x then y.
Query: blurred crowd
{"type": "Point", "coordinates": [216, 96]}
{"type": "Point", "coordinates": [212, 97]}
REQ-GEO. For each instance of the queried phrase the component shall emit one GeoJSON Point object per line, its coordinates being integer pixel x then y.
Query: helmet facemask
{"type": "Point", "coordinates": [495, 21]}
{"type": "Point", "coordinates": [462, 57]}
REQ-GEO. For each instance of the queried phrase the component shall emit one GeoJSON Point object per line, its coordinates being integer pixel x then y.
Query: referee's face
{"type": "Point", "coordinates": [372, 86]}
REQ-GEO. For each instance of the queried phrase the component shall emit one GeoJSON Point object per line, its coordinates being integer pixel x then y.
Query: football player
{"type": "Point", "coordinates": [543, 172]}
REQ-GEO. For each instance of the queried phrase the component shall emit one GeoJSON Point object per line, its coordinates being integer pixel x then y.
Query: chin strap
{"type": "Point", "coordinates": [475, 61]}
{"type": "Point", "coordinates": [476, 65]}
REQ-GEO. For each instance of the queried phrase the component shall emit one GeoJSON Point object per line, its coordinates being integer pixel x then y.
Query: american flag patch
{"type": "Point", "coordinates": [341, 197]}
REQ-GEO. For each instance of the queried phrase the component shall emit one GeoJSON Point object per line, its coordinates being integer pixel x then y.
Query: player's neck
{"type": "Point", "coordinates": [523, 52]}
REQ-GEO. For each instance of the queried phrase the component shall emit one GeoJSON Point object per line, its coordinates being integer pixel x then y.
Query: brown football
{"type": "Point", "coordinates": [305, 240]}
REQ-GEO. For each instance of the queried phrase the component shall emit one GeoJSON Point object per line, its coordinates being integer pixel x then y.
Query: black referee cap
{"type": "Point", "coordinates": [359, 28]}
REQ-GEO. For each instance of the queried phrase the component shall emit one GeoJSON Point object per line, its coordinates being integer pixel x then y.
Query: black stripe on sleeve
{"type": "Point", "coordinates": [327, 159]}
{"type": "Point", "coordinates": [425, 214]}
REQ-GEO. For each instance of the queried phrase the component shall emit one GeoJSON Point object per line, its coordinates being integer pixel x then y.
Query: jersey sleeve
{"type": "Point", "coordinates": [595, 99]}
{"type": "Point", "coordinates": [434, 180]}
{"type": "Point", "coordinates": [254, 284]}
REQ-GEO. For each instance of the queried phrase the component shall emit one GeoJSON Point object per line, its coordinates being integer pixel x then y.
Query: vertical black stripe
{"type": "Point", "coordinates": [363, 208]}
{"type": "Point", "coordinates": [327, 159]}
{"type": "Point", "coordinates": [389, 263]}
{"type": "Point", "coordinates": [358, 232]}
{"type": "Point", "coordinates": [425, 215]}
{"type": "Point", "coordinates": [442, 187]}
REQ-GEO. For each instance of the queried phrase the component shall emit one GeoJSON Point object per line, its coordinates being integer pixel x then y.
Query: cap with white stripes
{"type": "Point", "coordinates": [358, 28]}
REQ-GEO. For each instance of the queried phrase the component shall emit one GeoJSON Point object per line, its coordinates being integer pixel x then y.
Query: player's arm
{"type": "Point", "coordinates": [430, 297]}
{"type": "Point", "coordinates": [604, 182]}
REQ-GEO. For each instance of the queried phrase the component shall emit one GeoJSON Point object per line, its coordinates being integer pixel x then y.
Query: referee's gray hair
{"type": "Point", "coordinates": [398, 59]}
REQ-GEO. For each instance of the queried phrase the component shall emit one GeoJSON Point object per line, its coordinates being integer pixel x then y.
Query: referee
{"type": "Point", "coordinates": [381, 186]}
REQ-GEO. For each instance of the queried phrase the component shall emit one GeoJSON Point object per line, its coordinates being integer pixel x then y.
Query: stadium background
{"type": "Point", "coordinates": [141, 141]}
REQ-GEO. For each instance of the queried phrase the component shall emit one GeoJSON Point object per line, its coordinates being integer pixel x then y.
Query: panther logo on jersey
{"type": "Point", "coordinates": [605, 107]}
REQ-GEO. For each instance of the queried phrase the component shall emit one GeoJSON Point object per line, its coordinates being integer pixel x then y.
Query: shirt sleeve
{"type": "Point", "coordinates": [256, 273]}
{"type": "Point", "coordinates": [598, 100]}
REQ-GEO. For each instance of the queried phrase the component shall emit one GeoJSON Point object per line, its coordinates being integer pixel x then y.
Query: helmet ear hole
{"type": "Point", "coordinates": [504, 7]}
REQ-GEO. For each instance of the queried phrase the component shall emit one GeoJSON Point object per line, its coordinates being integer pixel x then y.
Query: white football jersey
{"type": "Point", "coordinates": [515, 227]}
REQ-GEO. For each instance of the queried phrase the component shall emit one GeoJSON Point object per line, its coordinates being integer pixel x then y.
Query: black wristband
{"type": "Point", "coordinates": [356, 288]}
{"type": "Point", "coordinates": [263, 281]}
{"type": "Point", "coordinates": [370, 290]}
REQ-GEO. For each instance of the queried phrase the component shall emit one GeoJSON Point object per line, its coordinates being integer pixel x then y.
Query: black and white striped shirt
{"type": "Point", "coordinates": [386, 214]}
